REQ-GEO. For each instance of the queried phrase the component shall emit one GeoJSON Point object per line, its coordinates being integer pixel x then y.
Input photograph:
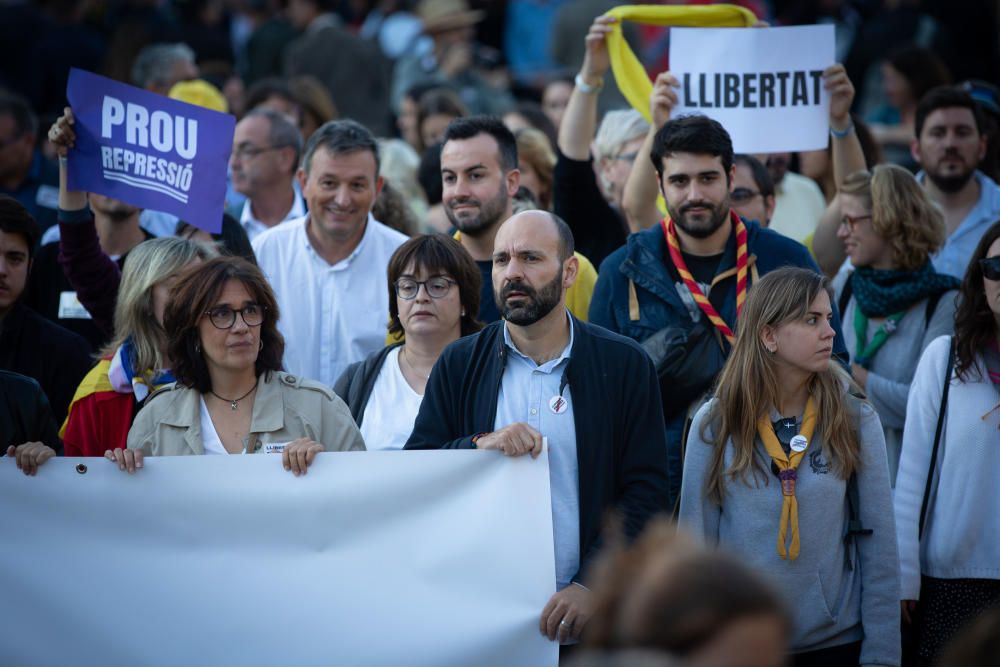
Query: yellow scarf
{"type": "Point", "coordinates": [629, 73]}
{"type": "Point", "coordinates": [787, 464]}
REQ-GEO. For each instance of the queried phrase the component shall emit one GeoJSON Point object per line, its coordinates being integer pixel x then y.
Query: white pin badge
{"type": "Point", "coordinates": [799, 443]}
{"type": "Point", "coordinates": [558, 404]}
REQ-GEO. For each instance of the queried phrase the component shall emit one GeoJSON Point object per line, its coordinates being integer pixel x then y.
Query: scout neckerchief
{"type": "Point", "coordinates": [674, 245]}
{"type": "Point", "coordinates": [787, 473]}
{"type": "Point", "coordinates": [863, 353]}
{"type": "Point", "coordinates": [630, 74]}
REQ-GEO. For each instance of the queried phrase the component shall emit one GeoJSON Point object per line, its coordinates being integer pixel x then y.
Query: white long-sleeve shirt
{"type": "Point", "coordinates": [962, 533]}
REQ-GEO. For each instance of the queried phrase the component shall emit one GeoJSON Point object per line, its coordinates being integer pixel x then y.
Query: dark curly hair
{"type": "Point", "coordinates": [196, 291]}
{"type": "Point", "coordinates": [975, 323]}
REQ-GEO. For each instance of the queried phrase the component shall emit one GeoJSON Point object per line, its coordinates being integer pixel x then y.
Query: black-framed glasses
{"type": "Point", "coordinates": [743, 195]}
{"type": "Point", "coordinates": [851, 221]}
{"type": "Point", "coordinates": [224, 317]}
{"type": "Point", "coordinates": [437, 287]}
{"type": "Point", "coordinates": [990, 267]}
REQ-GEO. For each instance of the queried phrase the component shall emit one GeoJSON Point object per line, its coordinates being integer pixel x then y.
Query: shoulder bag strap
{"type": "Point", "coordinates": [937, 439]}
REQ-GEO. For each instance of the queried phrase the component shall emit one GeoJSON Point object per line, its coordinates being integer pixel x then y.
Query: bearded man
{"type": "Point", "coordinates": [679, 286]}
{"type": "Point", "coordinates": [543, 376]}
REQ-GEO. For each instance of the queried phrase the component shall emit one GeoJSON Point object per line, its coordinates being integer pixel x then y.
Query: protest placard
{"type": "Point", "coordinates": [149, 150]}
{"type": "Point", "coordinates": [423, 559]}
{"type": "Point", "coordinates": [765, 85]}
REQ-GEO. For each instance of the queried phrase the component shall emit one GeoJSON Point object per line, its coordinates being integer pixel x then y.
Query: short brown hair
{"type": "Point", "coordinates": [438, 253]}
{"type": "Point", "coordinates": [902, 213]}
{"type": "Point", "coordinates": [196, 292]}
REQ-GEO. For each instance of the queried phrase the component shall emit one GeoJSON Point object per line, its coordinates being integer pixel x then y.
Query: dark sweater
{"type": "Point", "coordinates": [620, 436]}
{"type": "Point", "coordinates": [357, 381]}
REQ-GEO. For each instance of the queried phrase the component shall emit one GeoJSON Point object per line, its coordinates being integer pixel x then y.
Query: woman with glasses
{"type": "Point", "coordinates": [892, 301]}
{"type": "Point", "coordinates": [948, 531]}
{"type": "Point", "coordinates": [231, 396]}
{"type": "Point", "coordinates": [433, 300]}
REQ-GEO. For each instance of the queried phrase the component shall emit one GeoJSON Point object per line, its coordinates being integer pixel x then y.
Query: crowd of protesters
{"type": "Point", "coordinates": [446, 229]}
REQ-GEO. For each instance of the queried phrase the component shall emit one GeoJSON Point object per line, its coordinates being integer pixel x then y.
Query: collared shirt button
{"type": "Point", "coordinates": [534, 411]}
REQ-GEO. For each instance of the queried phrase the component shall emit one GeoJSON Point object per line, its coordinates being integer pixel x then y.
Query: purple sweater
{"type": "Point", "coordinates": [90, 271]}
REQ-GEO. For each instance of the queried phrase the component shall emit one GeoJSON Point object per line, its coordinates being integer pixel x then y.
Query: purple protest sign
{"type": "Point", "coordinates": [149, 150]}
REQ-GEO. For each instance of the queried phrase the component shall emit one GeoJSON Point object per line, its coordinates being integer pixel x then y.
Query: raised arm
{"type": "Point", "coordinates": [89, 270]}
{"type": "Point", "coordinates": [580, 120]}
{"type": "Point", "coordinates": [641, 189]}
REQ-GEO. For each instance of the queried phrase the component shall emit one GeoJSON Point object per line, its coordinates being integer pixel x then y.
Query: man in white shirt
{"type": "Point", "coordinates": [328, 268]}
{"type": "Point", "coordinates": [266, 148]}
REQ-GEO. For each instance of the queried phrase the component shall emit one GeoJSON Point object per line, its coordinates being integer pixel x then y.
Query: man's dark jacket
{"type": "Point", "coordinates": [25, 415]}
{"type": "Point", "coordinates": [620, 443]}
{"type": "Point", "coordinates": [57, 358]}
{"type": "Point", "coordinates": [645, 263]}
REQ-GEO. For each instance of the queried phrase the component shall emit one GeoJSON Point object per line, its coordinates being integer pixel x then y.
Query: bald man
{"type": "Point", "coordinates": [541, 373]}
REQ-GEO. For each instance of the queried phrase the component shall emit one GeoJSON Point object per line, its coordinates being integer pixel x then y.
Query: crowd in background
{"type": "Point", "coordinates": [416, 185]}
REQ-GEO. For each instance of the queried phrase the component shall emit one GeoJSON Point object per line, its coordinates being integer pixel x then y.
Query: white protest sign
{"type": "Point", "coordinates": [424, 559]}
{"type": "Point", "coordinates": [764, 85]}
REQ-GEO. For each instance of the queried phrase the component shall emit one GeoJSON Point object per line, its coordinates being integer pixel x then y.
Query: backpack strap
{"type": "Point", "coordinates": [845, 295]}
{"type": "Point", "coordinates": [937, 439]}
{"type": "Point", "coordinates": [932, 304]}
{"type": "Point", "coordinates": [855, 528]}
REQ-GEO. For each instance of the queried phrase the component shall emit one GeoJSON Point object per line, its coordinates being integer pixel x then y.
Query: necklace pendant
{"type": "Point", "coordinates": [233, 405]}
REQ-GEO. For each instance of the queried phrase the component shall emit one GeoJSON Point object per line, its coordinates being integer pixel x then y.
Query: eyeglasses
{"type": "Point", "coordinates": [224, 317]}
{"type": "Point", "coordinates": [990, 267]}
{"type": "Point", "coordinates": [437, 288]}
{"type": "Point", "coordinates": [246, 152]}
{"type": "Point", "coordinates": [852, 221]}
{"type": "Point", "coordinates": [626, 157]}
{"type": "Point", "coordinates": [743, 195]}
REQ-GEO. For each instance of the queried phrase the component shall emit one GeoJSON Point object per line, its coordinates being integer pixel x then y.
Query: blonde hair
{"type": "Point", "coordinates": [747, 387]}
{"type": "Point", "coordinates": [902, 213]}
{"type": "Point", "coordinates": [534, 148]}
{"type": "Point", "coordinates": [147, 264]}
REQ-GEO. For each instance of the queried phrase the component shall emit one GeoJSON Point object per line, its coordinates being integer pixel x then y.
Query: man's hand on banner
{"type": "Point", "coordinates": [299, 455]}
{"type": "Point", "coordinates": [516, 439]}
{"type": "Point", "coordinates": [30, 455]}
{"type": "Point", "coordinates": [841, 96]}
{"type": "Point", "coordinates": [61, 134]}
{"type": "Point", "coordinates": [664, 98]}
{"type": "Point", "coordinates": [129, 460]}
{"type": "Point", "coordinates": [566, 614]}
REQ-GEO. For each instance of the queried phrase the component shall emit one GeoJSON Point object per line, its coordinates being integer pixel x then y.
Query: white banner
{"type": "Point", "coordinates": [764, 85]}
{"type": "Point", "coordinates": [424, 559]}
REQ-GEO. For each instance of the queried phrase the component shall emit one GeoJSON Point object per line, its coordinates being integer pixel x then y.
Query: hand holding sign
{"type": "Point", "coordinates": [148, 150]}
{"type": "Point", "coordinates": [664, 98]}
{"type": "Point", "coordinates": [61, 134]}
{"type": "Point", "coordinates": [841, 96]}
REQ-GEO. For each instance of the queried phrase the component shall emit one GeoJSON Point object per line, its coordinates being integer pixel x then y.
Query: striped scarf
{"type": "Point", "coordinates": [674, 246]}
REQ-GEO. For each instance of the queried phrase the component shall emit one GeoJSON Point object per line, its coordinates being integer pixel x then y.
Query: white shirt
{"type": "Point", "coordinates": [210, 439]}
{"type": "Point", "coordinates": [798, 206]}
{"type": "Point", "coordinates": [255, 227]}
{"type": "Point", "coordinates": [392, 407]}
{"type": "Point", "coordinates": [529, 393]}
{"type": "Point", "coordinates": [331, 316]}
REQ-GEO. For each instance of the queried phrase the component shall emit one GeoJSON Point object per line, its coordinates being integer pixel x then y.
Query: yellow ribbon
{"type": "Point", "coordinates": [787, 464]}
{"type": "Point", "coordinates": [629, 73]}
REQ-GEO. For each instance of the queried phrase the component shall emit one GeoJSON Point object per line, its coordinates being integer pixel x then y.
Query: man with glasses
{"type": "Point", "coordinates": [752, 196]}
{"type": "Point", "coordinates": [328, 268]}
{"type": "Point", "coordinates": [266, 148]}
{"type": "Point", "coordinates": [25, 174]}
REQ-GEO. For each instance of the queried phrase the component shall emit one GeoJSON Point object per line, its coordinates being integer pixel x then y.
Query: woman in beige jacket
{"type": "Point", "coordinates": [231, 396]}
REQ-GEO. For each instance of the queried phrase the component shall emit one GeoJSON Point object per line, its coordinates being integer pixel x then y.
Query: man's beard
{"type": "Point", "coordinates": [534, 305]}
{"type": "Point", "coordinates": [490, 213]}
{"type": "Point", "coordinates": [951, 183]}
{"type": "Point", "coordinates": [701, 230]}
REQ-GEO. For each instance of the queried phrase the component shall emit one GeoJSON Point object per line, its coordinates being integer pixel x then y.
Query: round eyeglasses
{"type": "Point", "coordinates": [851, 221]}
{"type": "Point", "coordinates": [224, 317]}
{"type": "Point", "coordinates": [742, 195]}
{"type": "Point", "coordinates": [437, 287]}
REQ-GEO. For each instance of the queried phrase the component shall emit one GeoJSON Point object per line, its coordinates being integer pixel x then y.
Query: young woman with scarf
{"type": "Point", "coordinates": [949, 536]}
{"type": "Point", "coordinates": [892, 301]}
{"type": "Point", "coordinates": [135, 362]}
{"type": "Point", "coordinates": [786, 468]}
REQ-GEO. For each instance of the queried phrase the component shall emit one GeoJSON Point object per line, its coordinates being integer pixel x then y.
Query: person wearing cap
{"type": "Point", "coordinates": [451, 62]}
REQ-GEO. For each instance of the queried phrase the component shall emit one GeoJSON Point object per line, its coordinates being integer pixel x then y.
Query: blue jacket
{"type": "Point", "coordinates": [645, 261]}
{"type": "Point", "coordinates": [619, 425]}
